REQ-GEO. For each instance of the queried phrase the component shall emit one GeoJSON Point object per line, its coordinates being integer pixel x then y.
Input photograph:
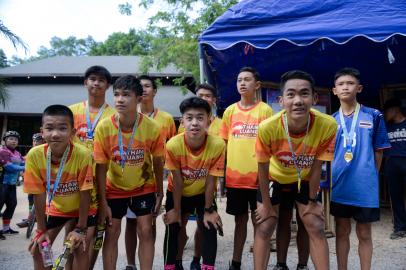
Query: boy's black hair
{"type": "Point", "coordinates": [194, 103]}
{"type": "Point", "coordinates": [348, 71]}
{"type": "Point", "coordinates": [252, 70]}
{"type": "Point", "coordinates": [395, 103]}
{"type": "Point", "coordinates": [98, 70]}
{"type": "Point", "coordinates": [296, 74]}
{"type": "Point", "coordinates": [207, 87]}
{"type": "Point", "coordinates": [146, 77]}
{"type": "Point", "coordinates": [128, 82]}
{"type": "Point", "coordinates": [58, 110]}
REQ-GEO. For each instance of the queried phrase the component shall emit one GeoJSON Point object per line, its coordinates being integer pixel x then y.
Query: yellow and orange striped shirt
{"type": "Point", "coordinates": [239, 127]}
{"type": "Point", "coordinates": [166, 123]}
{"type": "Point", "coordinates": [194, 166]}
{"type": "Point", "coordinates": [77, 175]}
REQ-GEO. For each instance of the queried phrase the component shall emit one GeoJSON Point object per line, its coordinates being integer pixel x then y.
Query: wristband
{"type": "Point", "coordinates": [80, 230]}
{"type": "Point", "coordinates": [38, 234]}
{"type": "Point", "coordinates": [210, 210]}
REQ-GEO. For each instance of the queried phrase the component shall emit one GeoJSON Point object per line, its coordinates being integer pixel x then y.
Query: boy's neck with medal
{"type": "Point", "coordinates": [248, 101]}
{"type": "Point", "coordinates": [57, 154]}
{"type": "Point", "coordinates": [148, 108]}
{"type": "Point", "coordinates": [348, 107]}
{"type": "Point", "coordinates": [298, 126]}
{"type": "Point", "coordinates": [95, 103]}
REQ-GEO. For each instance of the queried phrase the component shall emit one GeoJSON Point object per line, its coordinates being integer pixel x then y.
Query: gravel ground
{"type": "Point", "coordinates": [388, 254]}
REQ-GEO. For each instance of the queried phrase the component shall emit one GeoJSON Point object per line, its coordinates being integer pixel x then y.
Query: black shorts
{"type": "Point", "coordinates": [54, 221]}
{"type": "Point", "coordinates": [189, 205]}
{"type": "Point", "coordinates": [359, 214]}
{"type": "Point", "coordinates": [239, 199]}
{"type": "Point", "coordinates": [285, 195]}
{"type": "Point", "coordinates": [140, 205]}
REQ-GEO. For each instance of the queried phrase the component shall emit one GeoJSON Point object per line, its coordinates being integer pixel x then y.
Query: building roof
{"type": "Point", "coordinates": [74, 66]}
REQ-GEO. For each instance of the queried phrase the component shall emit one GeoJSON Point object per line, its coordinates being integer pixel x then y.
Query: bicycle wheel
{"type": "Point", "coordinates": [31, 224]}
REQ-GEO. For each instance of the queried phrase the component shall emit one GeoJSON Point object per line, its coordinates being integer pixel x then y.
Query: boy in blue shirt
{"type": "Point", "coordinates": [361, 138]}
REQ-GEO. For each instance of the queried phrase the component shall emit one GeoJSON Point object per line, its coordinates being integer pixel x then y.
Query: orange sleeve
{"type": "Point", "coordinates": [217, 167]}
{"type": "Point", "coordinates": [225, 125]}
{"type": "Point", "coordinates": [33, 181]}
{"type": "Point", "coordinates": [325, 151]}
{"type": "Point", "coordinates": [85, 175]}
{"type": "Point", "coordinates": [100, 155]}
{"type": "Point", "coordinates": [262, 146]}
{"type": "Point", "coordinates": [158, 144]}
{"type": "Point", "coordinates": [171, 162]}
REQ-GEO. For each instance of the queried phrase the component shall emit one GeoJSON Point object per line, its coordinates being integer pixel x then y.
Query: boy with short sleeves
{"type": "Point", "coordinates": [290, 149]}
{"type": "Point", "coordinates": [361, 138]}
{"type": "Point", "coordinates": [59, 175]}
{"type": "Point", "coordinates": [128, 153]}
{"type": "Point", "coordinates": [239, 129]}
{"type": "Point", "coordinates": [195, 159]}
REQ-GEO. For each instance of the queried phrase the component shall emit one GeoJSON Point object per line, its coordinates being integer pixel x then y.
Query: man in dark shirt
{"type": "Point", "coordinates": [395, 167]}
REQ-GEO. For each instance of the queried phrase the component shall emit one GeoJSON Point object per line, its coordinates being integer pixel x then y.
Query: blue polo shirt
{"type": "Point", "coordinates": [356, 183]}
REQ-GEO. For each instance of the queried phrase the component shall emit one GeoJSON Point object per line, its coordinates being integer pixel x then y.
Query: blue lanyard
{"type": "Point", "coordinates": [90, 126]}
{"type": "Point", "coordinates": [151, 114]}
{"type": "Point", "coordinates": [349, 137]}
{"type": "Point", "coordinates": [58, 175]}
{"type": "Point", "coordinates": [120, 143]}
{"type": "Point", "coordinates": [294, 157]}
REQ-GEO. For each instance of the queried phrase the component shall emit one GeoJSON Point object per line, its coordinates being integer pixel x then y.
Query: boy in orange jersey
{"type": "Point", "coordinates": [87, 114]}
{"type": "Point", "coordinates": [290, 149]}
{"type": "Point", "coordinates": [208, 93]}
{"type": "Point", "coordinates": [239, 129]}
{"type": "Point", "coordinates": [128, 152]}
{"type": "Point", "coordinates": [168, 129]}
{"type": "Point", "coordinates": [59, 175]}
{"type": "Point", "coordinates": [195, 160]}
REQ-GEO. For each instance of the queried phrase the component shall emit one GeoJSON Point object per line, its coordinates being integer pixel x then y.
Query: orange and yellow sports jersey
{"type": "Point", "coordinates": [77, 175]}
{"type": "Point", "coordinates": [137, 178]}
{"type": "Point", "coordinates": [166, 123]}
{"type": "Point", "coordinates": [194, 166]}
{"type": "Point", "coordinates": [239, 128]}
{"type": "Point", "coordinates": [214, 128]}
{"type": "Point", "coordinates": [272, 145]}
{"type": "Point", "coordinates": [80, 123]}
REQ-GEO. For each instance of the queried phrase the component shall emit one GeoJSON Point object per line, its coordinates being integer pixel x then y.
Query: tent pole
{"type": "Point", "coordinates": [201, 68]}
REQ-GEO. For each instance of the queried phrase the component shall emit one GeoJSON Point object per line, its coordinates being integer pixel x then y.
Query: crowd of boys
{"type": "Point", "coordinates": [100, 164]}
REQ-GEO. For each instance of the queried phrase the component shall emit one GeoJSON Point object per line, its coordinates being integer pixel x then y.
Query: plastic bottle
{"type": "Point", "coordinates": [46, 252]}
{"type": "Point", "coordinates": [98, 243]}
{"type": "Point", "coordinates": [63, 258]}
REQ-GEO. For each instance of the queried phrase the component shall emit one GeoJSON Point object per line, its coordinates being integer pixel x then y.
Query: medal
{"type": "Point", "coordinates": [348, 156]}
{"type": "Point", "coordinates": [124, 154]}
{"type": "Point", "coordinates": [91, 126]}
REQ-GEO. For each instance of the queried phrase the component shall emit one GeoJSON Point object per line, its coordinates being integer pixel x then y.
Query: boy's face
{"type": "Point", "coordinates": [96, 85]}
{"type": "Point", "coordinates": [196, 122]}
{"type": "Point", "coordinates": [125, 101]}
{"type": "Point", "coordinates": [57, 131]}
{"type": "Point", "coordinates": [246, 84]}
{"type": "Point", "coordinates": [148, 91]}
{"type": "Point", "coordinates": [346, 88]}
{"type": "Point", "coordinates": [297, 99]}
{"type": "Point", "coordinates": [390, 114]}
{"type": "Point", "coordinates": [206, 95]}
{"type": "Point", "coordinates": [11, 142]}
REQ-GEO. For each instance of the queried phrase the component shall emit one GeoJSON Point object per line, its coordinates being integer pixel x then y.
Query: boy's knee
{"type": "Point", "coordinates": [265, 229]}
{"type": "Point", "coordinates": [364, 234]}
{"type": "Point", "coordinates": [145, 232]}
{"type": "Point", "coordinates": [241, 220]}
{"type": "Point", "coordinates": [314, 226]}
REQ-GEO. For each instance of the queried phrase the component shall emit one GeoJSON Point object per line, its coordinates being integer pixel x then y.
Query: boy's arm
{"type": "Point", "coordinates": [158, 172]}
{"type": "Point", "coordinates": [209, 191]}
{"type": "Point", "coordinates": [211, 216]}
{"type": "Point", "coordinates": [174, 215]}
{"type": "Point", "coordinates": [83, 209]}
{"type": "Point", "coordinates": [378, 158]}
{"type": "Point", "coordinates": [314, 178]}
{"type": "Point", "coordinates": [39, 204]}
{"type": "Point", "coordinates": [101, 171]}
{"type": "Point", "coordinates": [11, 167]}
{"type": "Point", "coordinates": [264, 210]}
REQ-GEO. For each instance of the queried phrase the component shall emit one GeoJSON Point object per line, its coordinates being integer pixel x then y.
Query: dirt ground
{"type": "Point", "coordinates": [388, 254]}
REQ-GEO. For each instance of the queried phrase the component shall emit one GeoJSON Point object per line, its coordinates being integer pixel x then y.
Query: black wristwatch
{"type": "Point", "coordinates": [313, 200]}
{"type": "Point", "coordinates": [210, 210]}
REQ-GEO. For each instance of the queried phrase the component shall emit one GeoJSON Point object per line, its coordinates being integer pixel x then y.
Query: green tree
{"type": "Point", "coordinates": [131, 43]}
{"type": "Point", "coordinates": [177, 29]}
{"type": "Point", "coordinates": [70, 46]}
{"type": "Point", "coordinates": [3, 59]}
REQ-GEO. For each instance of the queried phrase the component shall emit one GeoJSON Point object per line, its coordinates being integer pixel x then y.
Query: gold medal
{"type": "Point", "coordinates": [348, 156]}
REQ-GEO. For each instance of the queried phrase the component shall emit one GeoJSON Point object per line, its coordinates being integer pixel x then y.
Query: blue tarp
{"type": "Point", "coordinates": [319, 37]}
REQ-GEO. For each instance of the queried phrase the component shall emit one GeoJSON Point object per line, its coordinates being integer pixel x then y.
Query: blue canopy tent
{"type": "Point", "coordinates": [317, 36]}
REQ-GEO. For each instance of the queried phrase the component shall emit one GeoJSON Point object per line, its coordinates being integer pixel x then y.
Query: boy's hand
{"type": "Point", "coordinates": [172, 216]}
{"type": "Point", "coordinates": [37, 240]}
{"type": "Point", "coordinates": [158, 204]}
{"type": "Point", "coordinates": [263, 213]}
{"type": "Point", "coordinates": [76, 238]}
{"type": "Point", "coordinates": [212, 218]}
{"type": "Point", "coordinates": [104, 214]}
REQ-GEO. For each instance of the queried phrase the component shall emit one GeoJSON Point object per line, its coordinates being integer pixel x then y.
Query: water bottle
{"type": "Point", "coordinates": [98, 242]}
{"type": "Point", "coordinates": [63, 258]}
{"type": "Point", "coordinates": [46, 252]}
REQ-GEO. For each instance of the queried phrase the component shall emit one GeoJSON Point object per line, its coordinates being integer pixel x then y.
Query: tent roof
{"type": "Point", "coordinates": [263, 23]}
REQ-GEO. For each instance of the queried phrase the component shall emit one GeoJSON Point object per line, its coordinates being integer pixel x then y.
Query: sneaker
{"type": "Point", "coordinates": [302, 267]}
{"type": "Point", "coordinates": [23, 224]}
{"type": "Point", "coordinates": [279, 266]}
{"type": "Point", "coordinates": [232, 267]}
{"type": "Point", "coordinates": [130, 267]}
{"type": "Point", "coordinates": [397, 235]}
{"type": "Point", "coordinates": [2, 237]}
{"type": "Point", "coordinates": [195, 266]}
{"type": "Point", "coordinates": [179, 265]}
{"type": "Point", "coordinates": [10, 231]}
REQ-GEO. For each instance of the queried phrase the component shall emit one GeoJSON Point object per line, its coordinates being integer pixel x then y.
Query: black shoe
{"type": "Point", "coordinates": [2, 237]}
{"type": "Point", "coordinates": [195, 266]}
{"type": "Point", "coordinates": [178, 265]}
{"type": "Point", "coordinates": [232, 267]}
{"type": "Point", "coordinates": [23, 224]}
{"type": "Point", "coordinates": [10, 231]}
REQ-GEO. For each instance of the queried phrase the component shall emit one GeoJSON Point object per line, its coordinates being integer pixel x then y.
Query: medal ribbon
{"type": "Point", "coordinates": [90, 126]}
{"type": "Point", "coordinates": [294, 156]}
{"type": "Point", "coordinates": [58, 175]}
{"type": "Point", "coordinates": [349, 137]}
{"type": "Point", "coordinates": [120, 143]}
